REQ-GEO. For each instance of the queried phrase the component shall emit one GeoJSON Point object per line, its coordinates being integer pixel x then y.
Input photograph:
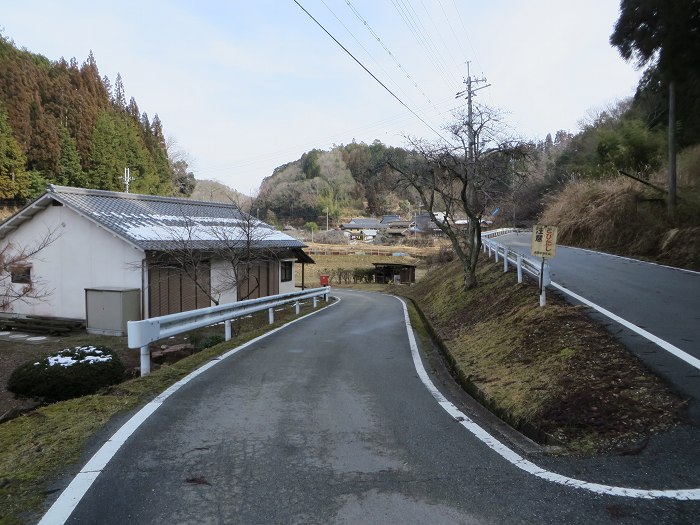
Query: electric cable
{"type": "Point", "coordinates": [370, 73]}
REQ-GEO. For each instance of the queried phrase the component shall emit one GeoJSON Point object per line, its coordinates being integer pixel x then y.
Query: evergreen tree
{"type": "Point", "coordinates": [70, 172]}
{"type": "Point", "coordinates": [665, 35]}
{"type": "Point", "coordinates": [44, 147]}
{"type": "Point", "coordinates": [66, 124]}
{"type": "Point", "coordinates": [133, 110]}
{"type": "Point", "coordinates": [105, 165]}
{"type": "Point", "coordinates": [157, 130]}
{"type": "Point", "coordinates": [14, 180]}
{"type": "Point", "coordinates": [118, 96]}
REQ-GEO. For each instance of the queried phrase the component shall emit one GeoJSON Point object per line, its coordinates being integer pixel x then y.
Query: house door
{"type": "Point", "coordinates": [173, 290]}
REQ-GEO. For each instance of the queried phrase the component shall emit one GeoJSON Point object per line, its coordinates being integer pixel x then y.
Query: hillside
{"type": "Point", "coordinates": [347, 181]}
{"type": "Point", "coordinates": [214, 191]}
{"type": "Point", "coordinates": [551, 372]}
{"type": "Point", "coordinates": [61, 123]}
{"type": "Point", "coordinates": [623, 216]}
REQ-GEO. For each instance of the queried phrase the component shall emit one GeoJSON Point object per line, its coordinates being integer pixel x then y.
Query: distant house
{"type": "Point", "coordinates": [360, 223]}
{"type": "Point", "coordinates": [120, 241]}
{"type": "Point", "coordinates": [425, 225]}
{"type": "Point", "coordinates": [388, 220]}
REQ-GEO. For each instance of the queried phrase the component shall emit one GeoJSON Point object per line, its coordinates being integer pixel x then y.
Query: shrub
{"type": "Point", "coordinates": [210, 340]}
{"type": "Point", "coordinates": [70, 373]}
{"type": "Point", "coordinates": [363, 275]}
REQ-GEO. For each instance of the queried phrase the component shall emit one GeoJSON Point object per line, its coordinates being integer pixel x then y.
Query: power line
{"type": "Point", "coordinates": [363, 47]}
{"type": "Point", "coordinates": [466, 34]}
{"type": "Point", "coordinates": [370, 73]}
{"type": "Point", "coordinates": [416, 26]}
{"type": "Point", "coordinates": [381, 42]}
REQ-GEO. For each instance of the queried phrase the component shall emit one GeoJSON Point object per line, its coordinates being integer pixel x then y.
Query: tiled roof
{"type": "Point", "coordinates": [387, 219]}
{"type": "Point", "coordinates": [167, 223]}
{"type": "Point", "coordinates": [361, 223]}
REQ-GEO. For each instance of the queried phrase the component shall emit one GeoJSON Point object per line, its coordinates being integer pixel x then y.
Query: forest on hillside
{"type": "Point", "coordinates": [61, 123]}
{"type": "Point", "coordinates": [629, 137]}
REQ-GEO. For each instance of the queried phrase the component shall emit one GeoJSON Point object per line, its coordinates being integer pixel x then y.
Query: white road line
{"type": "Point", "coordinates": [632, 259]}
{"type": "Point", "coordinates": [517, 460]}
{"type": "Point", "coordinates": [692, 361]}
{"type": "Point", "coordinates": [525, 245]}
{"type": "Point", "coordinates": [66, 503]}
{"type": "Point", "coordinates": [672, 349]}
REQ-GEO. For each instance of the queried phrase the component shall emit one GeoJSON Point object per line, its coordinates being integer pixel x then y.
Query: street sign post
{"type": "Point", "coordinates": [544, 244]}
{"type": "Point", "coordinates": [544, 241]}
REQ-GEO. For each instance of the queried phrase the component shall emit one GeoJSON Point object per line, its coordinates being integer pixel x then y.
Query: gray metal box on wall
{"type": "Point", "coordinates": [109, 308]}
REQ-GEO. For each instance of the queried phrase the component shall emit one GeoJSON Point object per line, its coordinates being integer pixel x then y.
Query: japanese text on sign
{"type": "Point", "coordinates": [544, 241]}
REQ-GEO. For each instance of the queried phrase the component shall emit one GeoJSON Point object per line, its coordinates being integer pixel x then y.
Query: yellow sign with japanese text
{"type": "Point", "coordinates": [544, 241]}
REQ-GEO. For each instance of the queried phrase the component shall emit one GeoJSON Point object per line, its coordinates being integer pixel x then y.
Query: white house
{"type": "Point", "coordinates": [172, 250]}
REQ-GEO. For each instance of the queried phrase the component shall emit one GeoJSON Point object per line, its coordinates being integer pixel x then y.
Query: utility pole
{"type": "Point", "coordinates": [470, 93]}
{"type": "Point", "coordinates": [671, 205]}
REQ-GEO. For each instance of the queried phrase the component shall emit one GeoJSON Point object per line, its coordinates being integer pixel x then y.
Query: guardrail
{"type": "Point", "coordinates": [498, 231]}
{"type": "Point", "coordinates": [537, 269]}
{"type": "Point", "coordinates": [142, 333]}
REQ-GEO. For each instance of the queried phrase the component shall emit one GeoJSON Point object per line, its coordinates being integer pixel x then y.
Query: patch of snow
{"type": "Point", "coordinates": [83, 354]}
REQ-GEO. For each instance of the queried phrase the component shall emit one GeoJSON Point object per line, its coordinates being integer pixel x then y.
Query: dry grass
{"type": "Point", "coordinates": [551, 372]}
{"type": "Point", "coordinates": [623, 216]}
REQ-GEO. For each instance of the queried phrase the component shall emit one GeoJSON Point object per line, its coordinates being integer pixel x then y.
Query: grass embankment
{"type": "Point", "coordinates": [625, 217]}
{"type": "Point", "coordinates": [40, 445]}
{"type": "Point", "coordinates": [551, 372]}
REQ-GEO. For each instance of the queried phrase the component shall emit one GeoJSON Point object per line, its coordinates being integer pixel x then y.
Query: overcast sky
{"type": "Point", "coordinates": [246, 85]}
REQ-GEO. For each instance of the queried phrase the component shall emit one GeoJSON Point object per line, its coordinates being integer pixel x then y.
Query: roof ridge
{"type": "Point", "coordinates": [56, 189]}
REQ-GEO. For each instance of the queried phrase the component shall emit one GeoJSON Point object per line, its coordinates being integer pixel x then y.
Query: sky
{"type": "Point", "coordinates": [244, 86]}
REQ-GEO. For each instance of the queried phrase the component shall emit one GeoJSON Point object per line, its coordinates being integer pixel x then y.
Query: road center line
{"type": "Point", "coordinates": [517, 460]}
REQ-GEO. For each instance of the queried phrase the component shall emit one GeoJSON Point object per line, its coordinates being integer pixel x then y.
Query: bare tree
{"type": "Point", "coordinates": [192, 243]}
{"type": "Point", "coordinates": [242, 251]}
{"type": "Point", "coordinates": [460, 178]}
{"type": "Point", "coordinates": [17, 284]}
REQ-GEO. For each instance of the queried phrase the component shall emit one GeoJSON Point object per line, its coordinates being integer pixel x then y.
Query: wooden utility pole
{"type": "Point", "coordinates": [672, 150]}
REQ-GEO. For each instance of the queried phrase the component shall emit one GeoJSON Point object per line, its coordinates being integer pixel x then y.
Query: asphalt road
{"type": "Point", "coordinates": [327, 421]}
{"type": "Point", "coordinates": [661, 300]}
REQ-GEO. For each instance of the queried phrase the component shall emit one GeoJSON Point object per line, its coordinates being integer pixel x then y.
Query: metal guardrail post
{"type": "Point", "coordinates": [505, 260]}
{"type": "Point", "coordinates": [544, 281]}
{"type": "Point", "coordinates": [315, 301]}
{"type": "Point", "coordinates": [227, 330]}
{"type": "Point", "coordinates": [520, 268]}
{"type": "Point", "coordinates": [270, 315]}
{"type": "Point", "coordinates": [297, 307]}
{"type": "Point", "coordinates": [145, 360]}
{"type": "Point", "coordinates": [496, 251]}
